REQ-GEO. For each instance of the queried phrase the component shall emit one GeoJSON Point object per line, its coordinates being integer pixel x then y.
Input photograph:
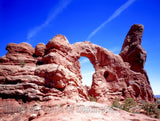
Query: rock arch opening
{"type": "Point", "coordinates": [87, 71]}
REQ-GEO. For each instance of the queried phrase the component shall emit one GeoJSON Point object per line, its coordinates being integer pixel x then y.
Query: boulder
{"type": "Point", "coordinates": [59, 42]}
{"type": "Point", "coordinates": [18, 54]}
{"type": "Point", "coordinates": [20, 48]}
{"type": "Point", "coordinates": [40, 49]}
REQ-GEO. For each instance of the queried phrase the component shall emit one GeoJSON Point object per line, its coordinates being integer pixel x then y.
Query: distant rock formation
{"type": "Point", "coordinates": [53, 70]}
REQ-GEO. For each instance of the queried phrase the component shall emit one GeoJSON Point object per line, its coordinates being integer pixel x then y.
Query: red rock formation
{"type": "Point", "coordinates": [51, 75]}
{"type": "Point", "coordinates": [114, 77]}
{"type": "Point", "coordinates": [40, 49]}
{"type": "Point", "coordinates": [53, 70]}
{"type": "Point", "coordinates": [18, 54]}
{"type": "Point", "coordinates": [57, 74]}
{"type": "Point", "coordinates": [132, 51]}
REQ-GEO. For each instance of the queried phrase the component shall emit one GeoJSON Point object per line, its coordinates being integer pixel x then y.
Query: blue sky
{"type": "Point", "coordinates": [103, 22]}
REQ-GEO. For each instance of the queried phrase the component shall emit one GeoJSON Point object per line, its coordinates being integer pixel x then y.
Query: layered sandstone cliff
{"type": "Point", "coordinates": [53, 70]}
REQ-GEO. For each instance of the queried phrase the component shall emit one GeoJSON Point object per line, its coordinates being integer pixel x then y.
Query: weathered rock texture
{"type": "Point", "coordinates": [53, 70]}
{"type": "Point", "coordinates": [65, 110]}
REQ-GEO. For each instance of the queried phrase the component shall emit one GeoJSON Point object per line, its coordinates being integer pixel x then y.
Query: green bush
{"type": "Point", "coordinates": [61, 105]}
{"type": "Point", "coordinates": [116, 103]}
{"type": "Point", "coordinates": [92, 98]}
{"type": "Point", "coordinates": [151, 109]}
{"type": "Point", "coordinates": [158, 100]}
{"type": "Point", "coordinates": [128, 103]}
{"type": "Point", "coordinates": [22, 63]}
{"type": "Point", "coordinates": [157, 113]}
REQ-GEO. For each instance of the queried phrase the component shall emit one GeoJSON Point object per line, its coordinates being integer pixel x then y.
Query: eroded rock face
{"type": "Point", "coordinates": [18, 54]}
{"type": "Point", "coordinates": [132, 51]}
{"type": "Point", "coordinates": [20, 48]}
{"type": "Point", "coordinates": [44, 73]}
{"type": "Point", "coordinates": [53, 70]}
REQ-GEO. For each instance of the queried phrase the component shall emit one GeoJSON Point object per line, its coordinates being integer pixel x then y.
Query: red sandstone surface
{"type": "Point", "coordinates": [50, 75]}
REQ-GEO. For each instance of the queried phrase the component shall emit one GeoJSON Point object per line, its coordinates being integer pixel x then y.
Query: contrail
{"type": "Point", "coordinates": [62, 5]}
{"type": "Point", "coordinates": [113, 16]}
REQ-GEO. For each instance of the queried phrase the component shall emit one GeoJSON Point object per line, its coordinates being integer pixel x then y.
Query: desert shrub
{"type": "Point", "coordinates": [116, 103]}
{"type": "Point", "coordinates": [151, 109]}
{"type": "Point", "coordinates": [128, 103]}
{"type": "Point", "coordinates": [157, 113]}
{"type": "Point", "coordinates": [61, 105]}
{"type": "Point", "coordinates": [21, 109]}
{"type": "Point", "coordinates": [158, 100]}
{"type": "Point", "coordinates": [22, 63]}
{"type": "Point", "coordinates": [92, 98]}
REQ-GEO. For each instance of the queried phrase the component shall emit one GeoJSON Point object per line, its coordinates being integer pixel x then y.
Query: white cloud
{"type": "Point", "coordinates": [62, 5]}
{"type": "Point", "coordinates": [87, 78]}
{"type": "Point", "coordinates": [115, 50]}
{"type": "Point", "coordinates": [113, 16]}
{"type": "Point", "coordinates": [85, 60]}
{"type": "Point", "coordinates": [88, 73]}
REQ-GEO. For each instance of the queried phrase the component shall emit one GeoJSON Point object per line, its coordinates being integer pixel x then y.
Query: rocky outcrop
{"type": "Point", "coordinates": [41, 74]}
{"type": "Point", "coordinates": [18, 54]}
{"type": "Point", "coordinates": [53, 70]}
{"type": "Point", "coordinates": [132, 51]}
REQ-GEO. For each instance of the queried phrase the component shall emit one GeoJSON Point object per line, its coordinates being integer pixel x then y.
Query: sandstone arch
{"type": "Point", "coordinates": [58, 74]}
